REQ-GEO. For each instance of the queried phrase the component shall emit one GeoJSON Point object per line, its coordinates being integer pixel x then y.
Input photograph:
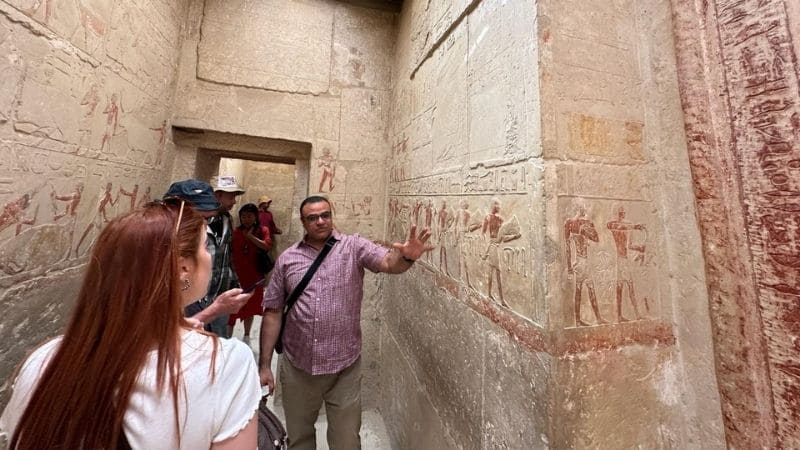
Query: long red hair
{"type": "Point", "coordinates": [129, 304]}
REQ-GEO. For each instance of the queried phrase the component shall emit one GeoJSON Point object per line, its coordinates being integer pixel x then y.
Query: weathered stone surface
{"type": "Point", "coordinates": [600, 216]}
{"type": "Point", "coordinates": [362, 48]}
{"type": "Point", "coordinates": [365, 114]}
{"type": "Point", "coordinates": [416, 423]}
{"type": "Point", "coordinates": [84, 136]}
{"type": "Point", "coordinates": [288, 46]}
{"type": "Point", "coordinates": [24, 329]}
{"type": "Point", "coordinates": [741, 125]}
{"type": "Point", "coordinates": [512, 371]}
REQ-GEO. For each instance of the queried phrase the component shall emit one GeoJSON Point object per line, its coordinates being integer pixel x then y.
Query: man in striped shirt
{"type": "Point", "coordinates": [322, 339]}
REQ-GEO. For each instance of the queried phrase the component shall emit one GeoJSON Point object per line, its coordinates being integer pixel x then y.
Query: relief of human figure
{"type": "Point", "coordinates": [162, 139]}
{"type": "Point", "coordinates": [493, 231]}
{"type": "Point", "coordinates": [73, 199]}
{"type": "Point", "coordinates": [394, 216]}
{"type": "Point", "coordinates": [100, 217]}
{"type": "Point", "coordinates": [328, 165]}
{"type": "Point", "coordinates": [579, 231]}
{"type": "Point", "coordinates": [415, 212]}
{"type": "Point", "coordinates": [14, 214]}
{"type": "Point", "coordinates": [464, 225]}
{"type": "Point", "coordinates": [621, 230]}
{"type": "Point", "coordinates": [112, 111]}
{"type": "Point", "coordinates": [429, 209]}
{"type": "Point", "coordinates": [132, 194]}
{"type": "Point", "coordinates": [90, 101]}
{"type": "Point", "coordinates": [444, 221]}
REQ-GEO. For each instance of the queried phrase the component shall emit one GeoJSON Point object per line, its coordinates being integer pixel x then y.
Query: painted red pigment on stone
{"type": "Point", "coordinates": [738, 78]}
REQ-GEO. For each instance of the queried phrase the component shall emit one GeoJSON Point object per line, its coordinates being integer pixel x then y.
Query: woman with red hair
{"type": "Point", "coordinates": [130, 370]}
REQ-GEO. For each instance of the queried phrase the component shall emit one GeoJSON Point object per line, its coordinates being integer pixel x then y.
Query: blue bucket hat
{"type": "Point", "coordinates": [198, 193]}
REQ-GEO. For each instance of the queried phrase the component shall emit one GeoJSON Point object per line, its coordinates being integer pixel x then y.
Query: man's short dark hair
{"type": "Point", "coordinates": [313, 199]}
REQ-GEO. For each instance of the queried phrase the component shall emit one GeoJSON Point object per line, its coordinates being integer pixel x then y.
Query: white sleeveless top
{"type": "Point", "coordinates": [210, 411]}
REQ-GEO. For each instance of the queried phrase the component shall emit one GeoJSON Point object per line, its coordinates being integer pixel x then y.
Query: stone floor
{"type": "Point", "coordinates": [373, 431]}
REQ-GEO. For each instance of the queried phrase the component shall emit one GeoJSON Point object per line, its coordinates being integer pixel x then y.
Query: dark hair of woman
{"type": "Point", "coordinates": [249, 208]}
{"type": "Point", "coordinates": [129, 304]}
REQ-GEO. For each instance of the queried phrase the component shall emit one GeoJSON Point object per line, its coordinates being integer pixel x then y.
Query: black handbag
{"type": "Point", "coordinates": [271, 433]}
{"type": "Point", "coordinates": [264, 262]}
{"type": "Point", "coordinates": [301, 286]}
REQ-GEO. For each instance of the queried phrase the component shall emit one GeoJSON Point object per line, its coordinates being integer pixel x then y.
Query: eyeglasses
{"type": "Point", "coordinates": [311, 218]}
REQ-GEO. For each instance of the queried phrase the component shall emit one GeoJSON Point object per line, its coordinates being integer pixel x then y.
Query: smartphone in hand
{"type": "Point", "coordinates": [250, 289]}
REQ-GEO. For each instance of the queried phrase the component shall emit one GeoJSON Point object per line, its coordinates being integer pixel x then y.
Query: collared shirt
{"type": "Point", "coordinates": [323, 329]}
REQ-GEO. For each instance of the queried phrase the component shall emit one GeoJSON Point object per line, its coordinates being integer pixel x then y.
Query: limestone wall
{"type": "Point", "coordinates": [543, 141]}
{"type": "Point", "coordinates": [85, 104]}
{"type": "Point", "coordinates": [466, 161]}
{"type": "Point", "coordinates": [313, 72]}
{"type": "Point", "coordinates": [739, 85]}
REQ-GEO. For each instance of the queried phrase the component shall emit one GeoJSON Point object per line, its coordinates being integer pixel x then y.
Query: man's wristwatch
{"type": "Point", "coordinates": [409, 260]}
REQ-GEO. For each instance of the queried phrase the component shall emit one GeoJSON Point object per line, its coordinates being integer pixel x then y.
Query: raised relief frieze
{"type": "Point", "coordinates": [609, 260]}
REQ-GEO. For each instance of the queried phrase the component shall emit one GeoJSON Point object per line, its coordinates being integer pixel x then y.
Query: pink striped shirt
{"type": "Point", "coordinates": [323, 330]}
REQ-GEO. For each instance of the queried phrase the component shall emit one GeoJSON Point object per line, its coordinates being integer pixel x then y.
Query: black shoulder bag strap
{"type": "Point", "coordinates": [301, 287]}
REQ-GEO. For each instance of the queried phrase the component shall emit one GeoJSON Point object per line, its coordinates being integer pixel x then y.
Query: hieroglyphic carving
{"type": "Point", "coordinates": [429, 209]}
{"type": "Point", "coordinates": [73, 199]}
{"type": "Point", "coordinates": [763, 90]}
{"type": "Point", "coordinates": [496, 232]}
{"type": "Point", "coordinates": [465, 225]}
{"type": "Point", "coordinates": [479, 180]}
{"type": "Point", "coordinates": [14, 213]}
{"type": "Point", "coordinates": [608, 264]}
{"type": "Point", "coordinates": [162, 140]}
{"type": "Point", "coordinates": [113, 128]}
{"type": "Point", "coordinates": [622, 229]}
{"type": "Point", "coordinates": [100, 217]}
{"type": "Point", "coordinates": [362, 208]}
{"type": "Point", "coordinates": [444, 224]}
{"type": "Point", "coordinates": [132, 195]}
{"type": "Point", "coordinates": [327, 164]}
{"type": "Point", "coordinates": [579, 232]}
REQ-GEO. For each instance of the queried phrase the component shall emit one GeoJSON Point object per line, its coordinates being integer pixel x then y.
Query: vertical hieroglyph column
{"type": "Point", "coordinates": [739, 84]}
{"type": "Point", "coordinates": [629, 319]}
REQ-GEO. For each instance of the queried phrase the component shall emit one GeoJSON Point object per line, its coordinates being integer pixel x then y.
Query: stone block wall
{"type": "Point", "coordinates": [85, 109]}
{"type": "Point", "coordinates": [565, 305]}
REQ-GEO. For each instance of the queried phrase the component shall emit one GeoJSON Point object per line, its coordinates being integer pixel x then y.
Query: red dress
{"type": "Point", "coordinates": [244, 263]}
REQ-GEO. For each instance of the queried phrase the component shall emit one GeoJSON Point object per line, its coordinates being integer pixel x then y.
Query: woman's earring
{"type": "Point", "coordinates": [186, 285]}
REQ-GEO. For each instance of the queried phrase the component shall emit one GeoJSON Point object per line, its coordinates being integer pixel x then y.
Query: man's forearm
{"type": "Point", "coordinates": [270, 328]}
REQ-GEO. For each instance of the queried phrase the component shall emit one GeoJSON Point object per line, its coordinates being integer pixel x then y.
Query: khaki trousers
{"type": "Point", "coordinates": [303, 395]}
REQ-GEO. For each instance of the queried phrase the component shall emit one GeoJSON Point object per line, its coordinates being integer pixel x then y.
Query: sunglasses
{"type": "Point", "coordinates": [170, 202]}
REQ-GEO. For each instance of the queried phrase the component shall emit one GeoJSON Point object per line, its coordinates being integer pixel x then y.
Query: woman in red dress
{"type": "Point", "coordinates": [248, 238]}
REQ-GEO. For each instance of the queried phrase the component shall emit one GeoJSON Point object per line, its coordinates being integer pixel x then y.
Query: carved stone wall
{"type": "Point", "coordinates": [565, 304]}
{"type": "Point", "coordinates": [85, 101]}
{"type": "Point", "coordinates": [740, 89]}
